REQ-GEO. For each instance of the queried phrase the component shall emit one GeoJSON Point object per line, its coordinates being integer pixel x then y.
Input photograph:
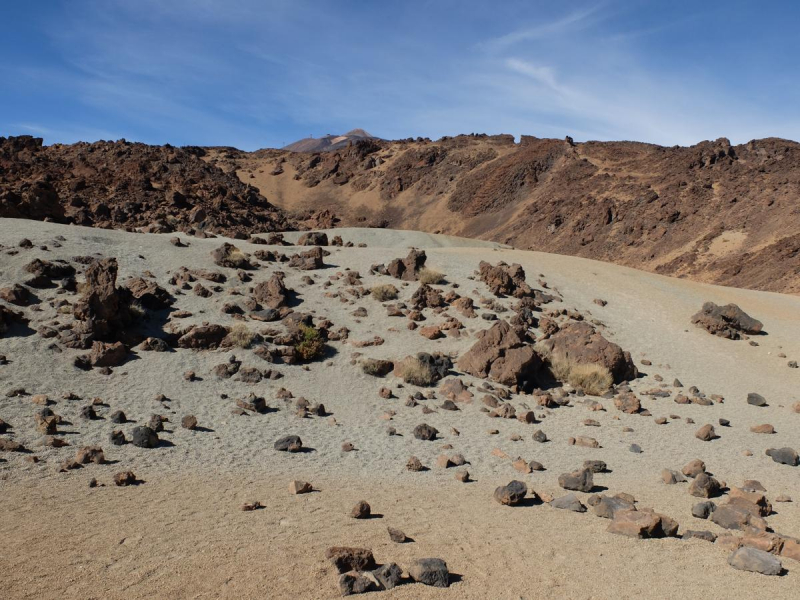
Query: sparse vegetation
{"type": "Point", "coordinates": [416, 372]}
{"type": "Point", "coordinates": [430, 277]}
{"type": "Point", "coordinates": [377, 367]}
{"type": "Point", "coordinates": [238, 259]}
{"type": "Point", "coordinates": [384, 293]}
{"type": "Point", "coordinates": [311, 344]}
{"type": "Point", "coordinates": [593, 379]}
{"type": "Point", "coordinates": [241, 336]}
{"type": "Point", "coordinates": [137, 311]}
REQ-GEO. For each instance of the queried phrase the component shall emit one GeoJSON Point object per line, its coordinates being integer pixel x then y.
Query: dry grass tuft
{"type": "Point", "coordinates": [383, 293]}
{"type": "Point", "coordinates": [376, 367]}
{"type": "Point", "coordinates": [593, 379]}
{"type": "Point", "coordinates": [238, 259]}
{"type": "Point", "coordinates": [430, 277]}
{"type": "Point", "coordinates": [138, 312]}
{"type": "Point", "coordinates": [416, 372]}
{"type": "Point", "coordinates": [240, 336]}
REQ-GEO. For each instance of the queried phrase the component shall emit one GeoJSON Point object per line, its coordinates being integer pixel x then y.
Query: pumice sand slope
{"type": "Point", "coordinates": [180, 531]}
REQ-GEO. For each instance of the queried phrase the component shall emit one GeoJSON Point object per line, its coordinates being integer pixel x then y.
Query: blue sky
{"type": "Point", "coordinates": [255, 74]}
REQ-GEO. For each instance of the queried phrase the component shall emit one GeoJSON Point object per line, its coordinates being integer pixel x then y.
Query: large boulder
{"type": "Point", "coordinates": [580, 342]}
{"type": "Point", "coordinates": [272, 293]}
{"type": "Point", "coordinates": [502, 355]}
{"type": "Point", "coordinates": [504, 280]}
{"type": "Point", "coordinates": [727, 321]}
{"type": "Point", "coordinates": [408, 268]}
{"type": "Point", "coordinates": [103, 310]}
{"type": "Point", "coordinates": [16, 294]}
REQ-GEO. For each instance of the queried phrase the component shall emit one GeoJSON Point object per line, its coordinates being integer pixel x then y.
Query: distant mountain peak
{"type": "Point", "coordinates": [358, 133]}
{"type": "Point", "coordinates": [328, 142]}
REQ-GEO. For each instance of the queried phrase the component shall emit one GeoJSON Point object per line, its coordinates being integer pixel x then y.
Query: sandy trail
{"type": "Point", "coordinates": [185, 536]}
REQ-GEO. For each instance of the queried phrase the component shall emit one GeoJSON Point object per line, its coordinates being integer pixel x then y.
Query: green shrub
{"type": "Point", "coordinates": [311, 344]}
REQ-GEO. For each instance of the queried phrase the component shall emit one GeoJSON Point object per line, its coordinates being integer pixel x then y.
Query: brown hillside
{"type": "Point", "coordinates": [124, 185]}
{"type": "Point", "coordinates": [711, 212]}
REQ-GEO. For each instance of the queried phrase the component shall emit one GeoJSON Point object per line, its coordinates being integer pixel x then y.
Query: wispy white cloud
{"type": "Point", "coordinates": [570, 23]}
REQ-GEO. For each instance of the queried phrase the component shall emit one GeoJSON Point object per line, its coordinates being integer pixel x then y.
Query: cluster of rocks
{"type": "Point", "coordinates": [359, 573]}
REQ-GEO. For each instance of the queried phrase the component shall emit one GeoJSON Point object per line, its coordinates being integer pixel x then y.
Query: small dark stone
{"type": "Point", "coordinates": [511, 494]}
{"type": "Point", "coordinates": [595, 466]}
{"type": "Point", "coordinates": [703, 510]}
{"type": "Point", "coordinates": [144, 437]}
{"type": "Point", "coordinates": [87, 412]}
{"type": "Point", "coordinates": [361, 510]}
{"type": "Point", "coordinates": [397, 536]}
{"type": "Point", "coordinates": [388, 575]}
{"type": "Point", "coordinates": [430, 571]}
{"type": "Point", "coordinates": [539, 436]}
{"type": "Point", "coordinates": [425, 432]}
{"type": "Point", "coordinates": [568, 502]}
{"type": "Point", "coordinates": [581, 481]}
{"type": "Point", "coordinates": [700, 535]}
{"type": "Point", "coordinates": [784, 456]}
{"type": "Point", "coordinates": [289, 443]}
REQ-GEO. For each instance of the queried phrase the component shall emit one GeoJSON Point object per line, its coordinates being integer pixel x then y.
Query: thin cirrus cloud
{"type": "Point", "coordinates": [255, 74]}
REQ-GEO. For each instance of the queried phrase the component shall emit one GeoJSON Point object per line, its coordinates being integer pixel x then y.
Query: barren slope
{"type": "Point", "coordinates": [711, 212]}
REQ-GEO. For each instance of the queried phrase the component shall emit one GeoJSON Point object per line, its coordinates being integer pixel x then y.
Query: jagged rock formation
{"type": "Point", "coordinates": [125, 185]}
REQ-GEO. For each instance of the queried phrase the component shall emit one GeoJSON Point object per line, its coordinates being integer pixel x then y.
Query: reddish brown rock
{"type": "Point", "coordinates": [501, 355]}
{"type": "Point", "coordinates": [346, 559]}
{"type": "Point", "coordinates": [409, 267]}
{"type": "Point", "coordinates": [634, 523]}
{"type": "Point", "coordinates": [582, 343]}
{"type": "Point", "coordinates": [504, 280]}
{"type": "Point", "coordinates": [90, 454]}
{"type": "Point", "coordinates": [107, 354]}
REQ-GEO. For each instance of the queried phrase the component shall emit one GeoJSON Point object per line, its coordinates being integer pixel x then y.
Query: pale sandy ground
{"type": "Point", "coordinates": [182, 535]}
